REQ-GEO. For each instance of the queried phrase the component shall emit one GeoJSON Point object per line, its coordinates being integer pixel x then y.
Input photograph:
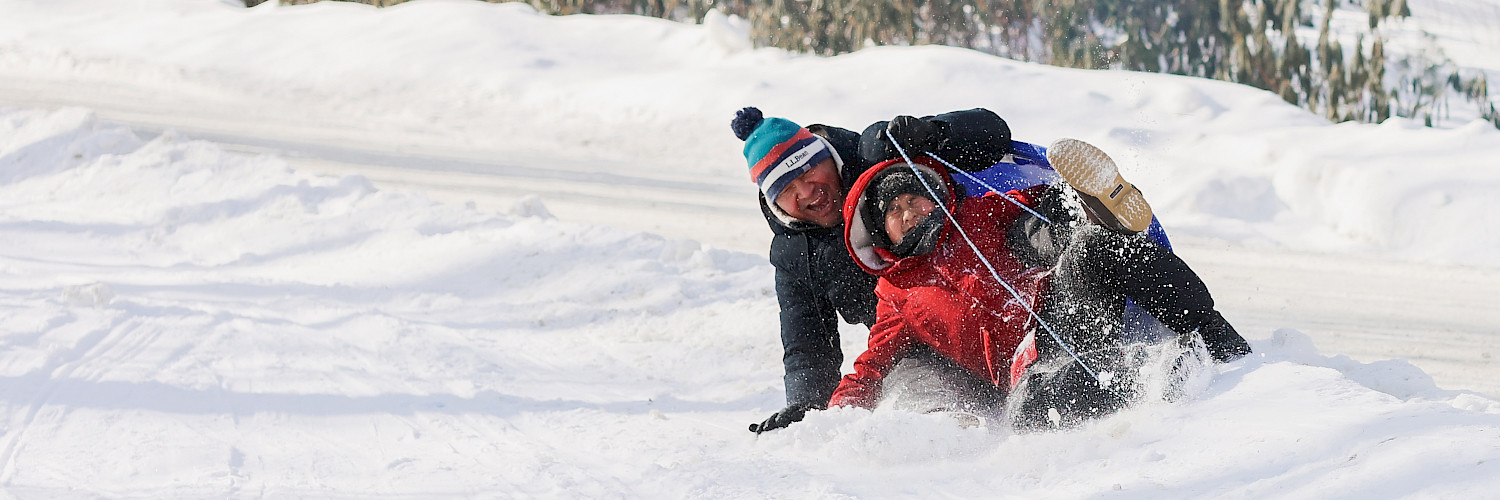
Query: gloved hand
{"type": "Point", "coordinates": [1223, 342]}
{"type": "Point", "coordinates": [783, 418]}
{"type": "Point", "coordinates": [1228, 349]}
{"type": "Point", "coordinates": [915, 135]}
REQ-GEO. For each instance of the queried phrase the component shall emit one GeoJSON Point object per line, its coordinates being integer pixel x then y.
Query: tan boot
{"type": "Point", "coordinates": [1114, 203]}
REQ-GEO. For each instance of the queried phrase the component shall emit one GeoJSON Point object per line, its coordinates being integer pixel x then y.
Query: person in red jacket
{"type": "Point", "coordinates": [1014, 300]}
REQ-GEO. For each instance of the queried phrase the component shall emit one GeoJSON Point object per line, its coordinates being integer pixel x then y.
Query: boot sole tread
{"type": "Point", "coordinates": [1092, 173]}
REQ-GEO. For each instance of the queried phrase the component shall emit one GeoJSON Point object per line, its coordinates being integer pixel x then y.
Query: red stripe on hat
{"type": "Point", "coordinates": [773, 156]}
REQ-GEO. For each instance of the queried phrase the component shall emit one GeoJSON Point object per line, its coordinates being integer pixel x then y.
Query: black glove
{"type": "Point", "coordinates": [783, 418]}
{"type": "Point", "coordinates": [915, 135]}
{"type": "Point", "coordinates": [1228, 349]}
{"type": "Point", "coordinates": [1223, 342]}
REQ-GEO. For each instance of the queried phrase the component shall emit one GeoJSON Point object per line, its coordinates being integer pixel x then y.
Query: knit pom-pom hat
{"type": "Point", "coordinates": [777, 150]}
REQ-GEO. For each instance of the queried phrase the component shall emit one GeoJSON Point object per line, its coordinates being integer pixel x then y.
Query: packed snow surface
{"type": "Point", "coordinates": [183, 319]}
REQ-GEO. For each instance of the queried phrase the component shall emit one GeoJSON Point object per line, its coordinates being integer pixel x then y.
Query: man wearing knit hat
{"type": "Point", "coordinates": [786, 155]}
{"type": "Point", "coordinates": [803, 174]}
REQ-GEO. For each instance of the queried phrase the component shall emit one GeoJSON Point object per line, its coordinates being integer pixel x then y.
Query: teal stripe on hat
{"type": "Point", "coordinates": [772, 131]}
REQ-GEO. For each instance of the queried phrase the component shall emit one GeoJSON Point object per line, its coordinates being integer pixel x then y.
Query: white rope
{"type": "Point", "coordinates": [993, 273]}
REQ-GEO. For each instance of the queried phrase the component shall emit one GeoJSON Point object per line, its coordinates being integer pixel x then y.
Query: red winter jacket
{"type": "Point", "coordinates": [946, 299]}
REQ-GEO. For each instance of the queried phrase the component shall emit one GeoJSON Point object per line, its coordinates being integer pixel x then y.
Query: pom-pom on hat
{"type": "Point", "coordinates": [777, 150]}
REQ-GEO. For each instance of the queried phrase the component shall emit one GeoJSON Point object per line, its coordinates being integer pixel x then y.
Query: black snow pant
{"type": "Point", "coordinates": [1082, 373]}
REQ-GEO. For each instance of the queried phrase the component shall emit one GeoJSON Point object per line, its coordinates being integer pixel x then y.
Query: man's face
{"type": "Point", "coordinates": [816, 196]}
{"type": "Point", "coordinates": [904, 213]}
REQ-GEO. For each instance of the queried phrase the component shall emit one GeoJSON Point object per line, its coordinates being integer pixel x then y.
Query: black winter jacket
{"type": "Point", "coordinates": [816, 282]}
{"type": "Point", "coordinates": [816, 279]}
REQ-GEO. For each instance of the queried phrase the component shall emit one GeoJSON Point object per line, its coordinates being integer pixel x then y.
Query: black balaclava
{"type": "Point", "coordinates": [923, 237]}
{"type": "Point", "coordinates": [889, 184]}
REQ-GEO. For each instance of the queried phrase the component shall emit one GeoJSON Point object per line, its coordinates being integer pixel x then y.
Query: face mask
{"type": "Point", "coordinates": [923, 237]}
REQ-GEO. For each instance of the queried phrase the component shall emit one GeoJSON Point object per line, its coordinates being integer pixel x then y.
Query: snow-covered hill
{"type": "Point", "coordinates": [191, 319]}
